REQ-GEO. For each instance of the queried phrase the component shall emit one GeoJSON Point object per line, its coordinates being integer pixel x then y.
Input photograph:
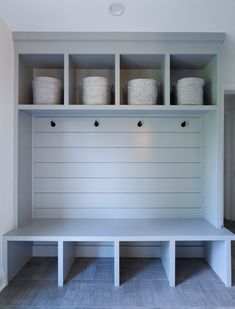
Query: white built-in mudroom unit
{"type": "Point", "coordinates": [118, 179]}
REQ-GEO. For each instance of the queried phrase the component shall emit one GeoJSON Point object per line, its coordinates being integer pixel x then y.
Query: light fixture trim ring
{"type": "Point", "coordinates": [116, 8]}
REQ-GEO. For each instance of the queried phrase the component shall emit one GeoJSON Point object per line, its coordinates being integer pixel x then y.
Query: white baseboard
{"type": "Point", "coordinates": [106, 250]}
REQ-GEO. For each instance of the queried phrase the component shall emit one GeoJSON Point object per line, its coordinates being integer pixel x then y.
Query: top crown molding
{"type": "Point", "coordinates": [216, 37]}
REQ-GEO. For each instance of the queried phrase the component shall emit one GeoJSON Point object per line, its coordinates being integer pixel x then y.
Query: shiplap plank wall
{"type": "Point", "coordinates": [118, 169]}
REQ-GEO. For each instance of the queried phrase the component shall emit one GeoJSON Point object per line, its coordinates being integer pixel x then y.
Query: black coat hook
{"type": "Point", "coordinates": [183, 124]}
{"type": "Point", "coordinates": [139, 124]}
{"type": "Point", "coordinates": [96, 123]}
{"type": "Point", "coordinates": [53, 124]}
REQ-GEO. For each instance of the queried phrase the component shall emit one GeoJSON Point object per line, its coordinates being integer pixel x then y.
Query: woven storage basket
{"type": "Point", "coordinates": [96, 90]}
{"type": "Point", "coordinates": [189, 91]}
{"type": "Point", "coordinates": [47, 90]}
{"type": "Point", "coordinates": [142, 91]}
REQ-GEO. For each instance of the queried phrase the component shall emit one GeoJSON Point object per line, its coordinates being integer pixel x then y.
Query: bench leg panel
{"type": "Point", "coordinates": [66, 256]}
{"type": "Point", "coordinates": [116, 263]}
{"type": "Point", "coordinates": [168, 260]}
{"type": "Point", "coordinates": [218, 256]}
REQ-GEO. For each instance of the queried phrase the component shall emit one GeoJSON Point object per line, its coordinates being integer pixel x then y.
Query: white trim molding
{"type": "Point", "coordinates": [2, 285]}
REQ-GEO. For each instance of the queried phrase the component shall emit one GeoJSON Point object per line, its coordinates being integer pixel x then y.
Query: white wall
{"type": "Point", "coordinates": [6, 134]}
{"type": "Point", "coordinates": [139, 15]}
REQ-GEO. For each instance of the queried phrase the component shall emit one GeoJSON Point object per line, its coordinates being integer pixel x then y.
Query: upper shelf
{"type": "Point", "coordinates": [71, 68]}
{"type": "Point", "coordinates": [71, 110]}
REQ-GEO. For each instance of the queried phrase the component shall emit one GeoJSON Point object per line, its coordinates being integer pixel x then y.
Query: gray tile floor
{"type": "Point", "coordinates": [90, 284]}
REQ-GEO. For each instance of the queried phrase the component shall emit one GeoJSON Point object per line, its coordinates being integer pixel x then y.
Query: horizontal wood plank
{"type": "Point", "coordinates": [117, 140]}
{"type": "Point", "coordinates": [119, 213]}
{"type": "Point", "coordinates": [118, 185]}
{"type": "Point", "coordinates": [119, 200]}
{"type": "Point", "coordinates": [102, 155]}
{"type": "Point", "coordinates": [116, 170]}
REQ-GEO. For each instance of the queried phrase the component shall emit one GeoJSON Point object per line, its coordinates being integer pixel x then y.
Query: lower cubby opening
{"type": "Point", "coordinates": [214, 263]}
{"type": "Point", "coordinates": [193, 269]}
{"type": "Point", "coordinates": [21, 264]}
{"type": "Point", "coordinates": [90, 269]}
{"type": "Point", "coordinates": [139, 265]}
{"type": "Point", "coordinates": [73, 267]}
{"type": "Point", "coordinates": [39, 268]}
{"type": "Point", "coordinates": [141, 268]}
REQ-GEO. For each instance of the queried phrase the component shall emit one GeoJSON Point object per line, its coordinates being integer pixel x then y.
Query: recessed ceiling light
{"type": "Point", "coordinates": [116, 9]}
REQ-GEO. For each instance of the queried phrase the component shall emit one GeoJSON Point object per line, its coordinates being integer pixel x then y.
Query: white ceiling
{"type": "Point", "coordinates": [140, 15]}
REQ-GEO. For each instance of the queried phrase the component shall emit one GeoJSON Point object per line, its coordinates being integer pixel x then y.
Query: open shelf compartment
{"type": "Point", "coordinates": [33, 65]}
{"type": "Point", "coordinates": [85, 65]}
{"type": "Point", "coordinates": [190, 65]}
{"type": "Point", "coordinates": [134, 66]}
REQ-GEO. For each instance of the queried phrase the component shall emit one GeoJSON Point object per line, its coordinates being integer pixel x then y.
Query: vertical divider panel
{"type": "Point", "coordinates": [4, 260]}
{"type": "Point", "coordinates": [16, 138]}
{"type": "Point", "coordinates": [66, 256]}
{"type": "Point", "coordinates": [60, 263]}
{"type": "Point", "coordinates": [167, 88]}
{"type": "Point", "coordinates": [117, 79]}
{"type": "Point", "coordinates": [24, 172]}
{"type": "Point", "coordinates": [66, 79]}
{"type": "Point", "coordinates": [69, 253]}
{"type": "Point", "coordinates": [218, 256]}
{"type": "Point", "coordinates": [210, 170]}
{"type": "Point", "coordinates": [168, 260]}
{"type": "Point", "coordinates": [116, 263]}
{"type": "Point", "coordinates": [15, 255]}
{"type": "Point", "coordinates": [33, 167]}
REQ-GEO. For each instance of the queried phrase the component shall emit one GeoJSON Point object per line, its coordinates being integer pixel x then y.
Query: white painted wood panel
{"type": "Point", "coordinates": [117, 185]}
{"type": "Point", "coordinates": [210, 170]}
{"type": "Point", "coordinates": [69, 253]}
{"type": "Point", "coordinates": [124, 230]}
{"type": "Point", "coordinates": [108, 139]}
{"type": "Point", "coordinates": [119, 200]}
{"type": "Point", "coordinates": [121, 213]}
{"type": "Point", "coordinates": [116, 263]}
{"type": "Point", "coordinates": [218, 253]}
{"type": "Point", "coordinates": [112, 124]}
{"type": "Point", "coordinates": [117, 170]}
{"type": "Point", "coordinates": [24, 169]}
{"type": "Point", "coordinates": [168, 260]}
{"type": "Point", "coordinates": [76, 155]}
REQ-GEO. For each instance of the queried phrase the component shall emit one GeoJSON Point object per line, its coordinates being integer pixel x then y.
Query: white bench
{"type": "Point", "coordinates": [17, 244]}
